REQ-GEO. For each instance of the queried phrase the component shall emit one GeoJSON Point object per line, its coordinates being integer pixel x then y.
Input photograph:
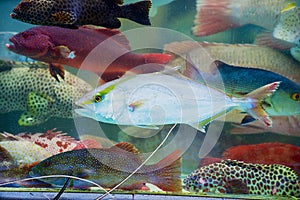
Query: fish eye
{"type": "Point", "coordinates": [24, 4]}
{"type": "Point", "coordinates": [296, 96]}
{"type": "Point", "coordinates": [98, 98]}
{"type": "Point", "coordinates": [25, 35]}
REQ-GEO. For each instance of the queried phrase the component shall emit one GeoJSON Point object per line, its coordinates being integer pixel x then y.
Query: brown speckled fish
{"type": "Point", "coordinates": [72, 13]}
{"type": "Point", "coordinates": [110, 166]}
{"type": "Point", "coordinates": [232, 176]}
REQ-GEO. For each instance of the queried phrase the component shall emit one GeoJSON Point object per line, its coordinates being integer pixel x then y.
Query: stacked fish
{"type": "Point", "coordinates": [194, 97]}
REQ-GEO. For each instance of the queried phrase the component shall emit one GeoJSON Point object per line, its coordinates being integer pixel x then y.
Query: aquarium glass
{"type": "Point", "coordinates": [190, 99]}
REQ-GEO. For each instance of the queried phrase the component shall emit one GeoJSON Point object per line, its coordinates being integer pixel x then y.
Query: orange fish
{"type": "Point", "coordinates": [62, 46]}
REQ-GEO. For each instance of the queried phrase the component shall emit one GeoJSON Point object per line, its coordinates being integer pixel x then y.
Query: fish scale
{"type": "Point", "coordinates": [232, 176]}
{"type": "Point", "coordinates": [73, 13]}
{"type": "Point", "coordinates": [26, 80]}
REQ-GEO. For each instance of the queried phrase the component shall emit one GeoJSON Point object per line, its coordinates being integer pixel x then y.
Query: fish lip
{"type": "Point", "coordinates": [13, 15]}
{"type": "Point", "coordinates": [11, 46]}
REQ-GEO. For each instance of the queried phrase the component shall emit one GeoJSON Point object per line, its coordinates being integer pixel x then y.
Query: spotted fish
{"type": "Point", "coordinates": [232, 176]}
{"type": "Point", "coordinates": [71, 13]}
{"type": "Point", "coordinates": [53, 141]}
{"type": "Point", "coordinates": [25, 152]}
{"type": "Point", "coordinates": [38, 95]}
{"type": "Point", "coordinates": [110, 166]}
{"type": "Point", "coordinates": [288, 25]}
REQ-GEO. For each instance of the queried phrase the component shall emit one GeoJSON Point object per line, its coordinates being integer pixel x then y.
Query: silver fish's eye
{"type": "Point", "coordinates": [98, 98]}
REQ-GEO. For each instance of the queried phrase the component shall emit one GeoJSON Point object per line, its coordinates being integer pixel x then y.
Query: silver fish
{"type": "Point", "coordinates": [149, 100]}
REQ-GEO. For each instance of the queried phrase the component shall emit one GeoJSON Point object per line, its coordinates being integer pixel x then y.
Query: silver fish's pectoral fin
{"type": "Point", "coordinates": [201, 126]}
{"type": "Point", "coordinates": [198, 127]}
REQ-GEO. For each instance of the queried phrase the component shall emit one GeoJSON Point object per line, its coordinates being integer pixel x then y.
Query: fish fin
{"type": "Point", "coordinates": [295, 52]}
{"type": "Point", "coordinates": [208, 160]}
{"type": "Point", "coordinates": [191, 71]}
{"type": "Point", "coordinates": [288, 25]}
{"type": "Point", "coordinates": [134, 105]}
{"type": "Point", "coordinates": [127, 147]}
{"type": "Point", "coordinates": [247, 120]}
{"type": "Point", "coordinates": [236, 186]}
{"type": "Point", "coordinates": [167, 177]}
{"type": "Point", "coordinates": [137, 12]}
{"type": "Point", "coordinates": [265, 38]}
{"type": "Point", "coordinates": [112, 23]}
{"type": "Point", "coordinates": [28, 119]}
{"type": "Point", "coordinates": [201, 126]}
{"type": "Point", "coordinates": [57, 70]}
{"type": "Point", "coordinates": [198, 126]}
{"type": "Point", "coordinates": [250, 129]}
{"type": "Point", "coordinates": [64, 52]}
{"type": "Point", "coordinates": [64, 17]}
{"type": "Point", "coordinates": [5, 155]}
{"type": "Point", "coordinates": [257, 97]}
{"type": "Point", "coordinates": [213, 16]}
{"type": "Point", "coordinates": [157, 58]}
{"type": "Point", "coordinates": [38, 104]}
{"type": "Point", "coordinates": [289, 6]}
{"type": "Point", "coordinates": [181, 48]}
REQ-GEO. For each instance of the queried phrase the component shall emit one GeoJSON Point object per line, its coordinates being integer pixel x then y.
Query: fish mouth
{"type": "Point", "coordinates": [12, 46]}
{"type": "Point", "coordinates": [14, 15]}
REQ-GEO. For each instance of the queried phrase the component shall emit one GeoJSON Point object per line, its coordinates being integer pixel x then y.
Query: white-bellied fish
{"type": "Point", "coordinates": [149, 100]}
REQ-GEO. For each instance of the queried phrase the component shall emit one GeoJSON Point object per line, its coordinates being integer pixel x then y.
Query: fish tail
{"type": "Point", "coordinates": [252, 102]}
{"type": "Point", "coordinates": [137, 12]}
{"type": "Point", "coordinates": [167, 175]}
{"type": "Point", "coordinates": [213, 16]}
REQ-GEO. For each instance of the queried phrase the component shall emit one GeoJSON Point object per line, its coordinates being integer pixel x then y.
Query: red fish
{"type": "Point", "coordinates": [264, 153]}
{"type": "Point", "coordinates": [53, 141]}
{"type": "Point", "coordinates": [62, 46]}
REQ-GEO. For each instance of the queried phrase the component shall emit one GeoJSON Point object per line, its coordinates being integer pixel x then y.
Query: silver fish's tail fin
{"type": "Point", "coordinates": [137, 12]}
{"type": "Point", "coordinates": [166, 173]}
{"type": "Point", "coordinates": [252, 102]}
